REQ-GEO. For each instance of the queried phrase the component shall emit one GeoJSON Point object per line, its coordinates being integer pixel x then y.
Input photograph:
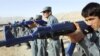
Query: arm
{"type": "Point", "coordinates": [77, 35]}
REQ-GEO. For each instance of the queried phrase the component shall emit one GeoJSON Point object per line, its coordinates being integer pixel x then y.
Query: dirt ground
{"type": "Point", "coordinates": [15, 51]}
{"type": "Point", "coordinates": [21, 50]}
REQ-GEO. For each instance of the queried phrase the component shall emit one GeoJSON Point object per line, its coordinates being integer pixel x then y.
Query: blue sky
{"type": "Point", "coordinates": [28, 8]}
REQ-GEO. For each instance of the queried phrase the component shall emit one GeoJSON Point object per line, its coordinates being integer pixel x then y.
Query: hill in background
{"type": "Point", "coordinates": [72, 16]}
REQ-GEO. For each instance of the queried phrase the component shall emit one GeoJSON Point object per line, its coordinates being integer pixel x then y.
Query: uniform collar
{"type": "Point", "coordinates": [49, 17]}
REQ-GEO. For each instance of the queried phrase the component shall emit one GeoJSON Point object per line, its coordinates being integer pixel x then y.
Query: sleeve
{"type": "Point", "coordinates": [53, 20]}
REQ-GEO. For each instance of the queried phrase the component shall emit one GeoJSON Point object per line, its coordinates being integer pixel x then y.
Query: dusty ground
{"type": "Point", "coordinates": [15, 51]}
{"type": "Point", "coordinates": [20, 51]}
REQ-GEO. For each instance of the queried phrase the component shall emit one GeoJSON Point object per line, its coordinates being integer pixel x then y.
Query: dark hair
{"type": "Point", "coordinates": [91, 9]}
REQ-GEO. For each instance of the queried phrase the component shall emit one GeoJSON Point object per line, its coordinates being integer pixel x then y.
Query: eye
{"type": "Point", "coordinates": [89, 19]}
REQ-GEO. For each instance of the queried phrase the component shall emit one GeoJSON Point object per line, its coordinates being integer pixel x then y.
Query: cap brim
{"type": "Point", "coordinates": [45, 11]}
{"type": "Point", "coordinates": [42, 11]}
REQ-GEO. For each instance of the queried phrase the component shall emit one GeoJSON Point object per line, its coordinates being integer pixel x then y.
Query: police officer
{"type": "Point", "coordinates": [39, 45]}
{"type": "Point", "coordinates": [53, 46]}
{"type": "Point", "coordinates": [91, 42]}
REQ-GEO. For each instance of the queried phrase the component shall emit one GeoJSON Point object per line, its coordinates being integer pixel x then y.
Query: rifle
{"type": "Point", "coordinates": [50, 31]}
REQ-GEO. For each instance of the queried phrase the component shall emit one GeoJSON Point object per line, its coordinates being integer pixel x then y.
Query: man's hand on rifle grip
{"type": "Point", "coordinates": [77, 35]}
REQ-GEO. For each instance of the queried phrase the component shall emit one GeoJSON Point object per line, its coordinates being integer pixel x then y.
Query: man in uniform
{"type": "Point", "coordinates": [53, 47]}
{"type": "Point", "coordinates": [38, 45]}
{"type": "Point", "coordinates": [91, 42]}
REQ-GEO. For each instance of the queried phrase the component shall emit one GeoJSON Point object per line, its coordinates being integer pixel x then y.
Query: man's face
{"type": "Point", "coordinates": [46, 14]}
{"type": "Point", "coordinates": [93, 21]}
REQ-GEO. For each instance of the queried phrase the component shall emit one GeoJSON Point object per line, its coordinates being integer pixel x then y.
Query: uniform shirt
{"type": "Point", "coordinates": [95, 38]}
{"type": "Point", "coordinates": [53, 46]}
{"type": "Point", "coordinates": [91, 43]}
{"type": "Point", "coordinates": [98, 39]}
{"type": "Point", "coordinates": [52, 20]}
